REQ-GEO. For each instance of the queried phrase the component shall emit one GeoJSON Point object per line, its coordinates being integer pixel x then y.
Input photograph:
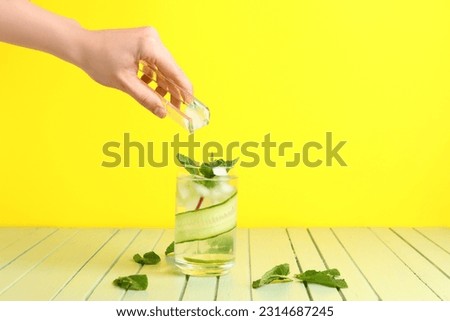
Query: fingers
{"type": "Point", "coordinates": [175, 101]}
{"type": "Point", "coordinates": [156, 53]}
{"type": "Point", "coordinates": [169, 76]}
{"type": "Point", "coordinates": [163, 86]}
{"type": "Point", "coordinates": [161, 91]}
{"type": "Point", "coordinates": [145, 96]}
{"type": "Point", "coordinates": [147, 75]}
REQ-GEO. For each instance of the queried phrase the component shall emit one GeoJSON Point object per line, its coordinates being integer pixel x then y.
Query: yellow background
{"type": "Point", "coordinates": [375, 73]}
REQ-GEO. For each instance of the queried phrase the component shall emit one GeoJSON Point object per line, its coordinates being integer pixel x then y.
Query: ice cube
{"type": "Point", "coordinates": [198, 113]}
{"type": "Point", "coordinates": [201, 190]}
{"type": "Point", "coordinates": [226, 188]}
{"type": "Point", "coordinates": [220, 171]}
{"type": "Point", "coordinates": [216, 193]}
{"type": "Point", "coordinates": [184, 189]}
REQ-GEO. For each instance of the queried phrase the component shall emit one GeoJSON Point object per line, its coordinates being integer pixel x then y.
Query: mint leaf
{"type": "Point", "coordinates": [275, 275]}
{"type": "Point", "coordinates": [216, 163]}
{"type": "Point", "coordinates": [149, 258]}
{"type": "Point", "coordinates": [206, 170]}
{"type": "Point", "coordinates": [207, 183]}
{"type": "Point", "coordinates": [170, 248]}
{"type": "Point", "coordinates": [327, 278]}
{"type": "Point", "coordinates": [229, 164]}
{"type": "Point", "coordinates": [138, 282]}
{"type": "Point", "coordinates": [190, 165]}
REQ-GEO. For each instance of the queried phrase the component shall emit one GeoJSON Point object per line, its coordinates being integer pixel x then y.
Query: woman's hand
{"type": "Point", "coordinates": [110, 57]}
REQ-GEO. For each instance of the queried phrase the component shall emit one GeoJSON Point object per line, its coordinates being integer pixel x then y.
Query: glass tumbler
{"type": "Point", "coordinates": [205, 224]}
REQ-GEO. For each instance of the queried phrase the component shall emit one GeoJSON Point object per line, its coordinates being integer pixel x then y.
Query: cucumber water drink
{"type": "Point", "coordinates": [205, 222]}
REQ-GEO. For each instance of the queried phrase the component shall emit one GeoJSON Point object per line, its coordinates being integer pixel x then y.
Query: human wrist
{"type": "Point", "coordinates": [77, 41]}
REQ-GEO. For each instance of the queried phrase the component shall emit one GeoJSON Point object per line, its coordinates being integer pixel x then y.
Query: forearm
{"type": "Point", "coordinates": [24, 24]}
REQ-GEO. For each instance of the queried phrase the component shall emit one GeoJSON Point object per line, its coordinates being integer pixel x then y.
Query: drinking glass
{"type": "Point", "coordinates": [205, 224]}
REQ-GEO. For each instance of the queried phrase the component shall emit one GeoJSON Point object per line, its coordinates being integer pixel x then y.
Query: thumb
{"type": "Point", "coordinates": [145, 96]}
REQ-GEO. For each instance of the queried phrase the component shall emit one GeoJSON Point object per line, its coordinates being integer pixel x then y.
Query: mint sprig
{"type": "Point", "coordinates": [277, 274]}
{"type": "Point", "coordinates": [280, 274]}
{"type": "Point", "coordinates": [206, 169]}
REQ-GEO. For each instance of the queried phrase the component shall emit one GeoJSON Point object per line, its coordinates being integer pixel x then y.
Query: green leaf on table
{"type": "Point", "coordinates": [138, 282]}
{"type": "Point", "coordinates": [275, 275]}
{"type": "Point", "coordinates": [327, 278]}
{"type": "Point", "coordinates": [149, 258]}
{"type": "Point", "coordinates": [189, 164]}
{"type": "Point", "coordinates": [170, 249]}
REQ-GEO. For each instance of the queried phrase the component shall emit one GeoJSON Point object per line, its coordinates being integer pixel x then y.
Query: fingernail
{"type": "Point", "coordinates": [160, 112]}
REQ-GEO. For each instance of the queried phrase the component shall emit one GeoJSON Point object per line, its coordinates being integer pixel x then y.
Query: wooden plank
{"type": "Point", "coordinates": [200, 288]}
{"type": "Point", "coordinates": [427, 272]}
{"type": "Point", "coordinates": [165, 282]}
{"type": "Point", "coordinates": [13, 272]}
{"type": "Point", "coordinates": [425, 247]}
{"type": "Point", "coordinates": [335, 257]}
{"type": "Point", "coordinates": [18, 248]}
{"type": "Point", "coordinates": [309, 259]}
{"type": "Point", "coordinates": [144, 242]}
{"type": "Point", "coordinates": [270, 247]}
{"type": "Point", "coordinates": [438, 235]}
{"type": "Point", "coordinates": [236, 286]}
{"type": "Point", "coordinates": [46, 279]}
{"type": "Point", "coordinates": [85, 281]}
{"type": "Point", "coordinates": [9, 235]}
{"type": "Point", "coordinates": [387, 274]}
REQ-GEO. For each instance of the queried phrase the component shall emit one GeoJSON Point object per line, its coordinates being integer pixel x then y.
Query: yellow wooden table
{"type": "Point", "coordinates": [81, 264]}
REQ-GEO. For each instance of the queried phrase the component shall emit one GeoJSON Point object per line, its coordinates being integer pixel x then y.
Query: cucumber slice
{"type": "Point", "coordinates": [210, 258]}
{"type": "Point", "coordinates": [207, 222]}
